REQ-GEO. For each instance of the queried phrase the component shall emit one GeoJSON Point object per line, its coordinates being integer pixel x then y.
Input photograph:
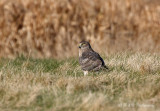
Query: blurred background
{"type": "Point", "coordinates": [53, 28]}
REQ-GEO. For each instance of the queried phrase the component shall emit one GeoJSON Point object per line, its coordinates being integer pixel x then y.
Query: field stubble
{"type": "Point", "coordinates": [53, 28]}
{"type": "Point", "coordinates": [132, 83]}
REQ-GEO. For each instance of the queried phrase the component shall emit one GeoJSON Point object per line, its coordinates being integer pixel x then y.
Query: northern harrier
{"type": "Point", "coordinates": [89, 59]}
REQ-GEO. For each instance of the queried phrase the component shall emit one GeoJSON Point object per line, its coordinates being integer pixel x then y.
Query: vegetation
{"type": "Point", "coordinates": [53, 28]}
{"type": "Point", "coordinates": [28, 84]}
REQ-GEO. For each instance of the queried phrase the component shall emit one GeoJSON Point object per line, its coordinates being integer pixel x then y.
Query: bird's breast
{"type": "Point", "coordinates": [80, 53]}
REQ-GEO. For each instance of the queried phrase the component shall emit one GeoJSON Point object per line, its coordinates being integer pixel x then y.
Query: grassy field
{"type": "Point", "coordinates": [133, 82]}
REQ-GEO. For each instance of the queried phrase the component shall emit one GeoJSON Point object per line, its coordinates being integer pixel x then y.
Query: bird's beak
{"type": "Point", "coordinates": [79, 46]}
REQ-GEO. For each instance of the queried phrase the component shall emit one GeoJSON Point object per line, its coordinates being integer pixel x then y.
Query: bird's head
{"type": "Point", "coordinates": [84, 45]}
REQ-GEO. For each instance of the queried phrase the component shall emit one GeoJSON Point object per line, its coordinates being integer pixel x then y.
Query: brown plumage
{"type": "Point", "coordinates": [89, 59]}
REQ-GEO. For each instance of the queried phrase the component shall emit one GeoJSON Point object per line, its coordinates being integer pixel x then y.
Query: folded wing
{"type": "Point", "coordinates": [91, 61]}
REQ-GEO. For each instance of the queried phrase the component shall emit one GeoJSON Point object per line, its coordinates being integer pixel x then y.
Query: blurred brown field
{"type": "Point", "coordinates": [53, 28]}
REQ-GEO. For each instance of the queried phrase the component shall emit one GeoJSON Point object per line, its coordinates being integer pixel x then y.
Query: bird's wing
{"type": "Point", "coordinates": [90, 60]}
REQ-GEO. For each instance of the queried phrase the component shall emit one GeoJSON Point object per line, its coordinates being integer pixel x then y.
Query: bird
{"type": "Point", "coordinates": [89, 60]}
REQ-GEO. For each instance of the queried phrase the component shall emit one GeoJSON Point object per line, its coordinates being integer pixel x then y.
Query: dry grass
{"type": "Point", "coordinates": [133, 83]}
{"type": "Point", "coordinates": [52, 28]}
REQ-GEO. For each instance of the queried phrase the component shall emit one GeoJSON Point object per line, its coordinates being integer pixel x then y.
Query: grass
{"type": "Point", "coordinates": [133, 82]}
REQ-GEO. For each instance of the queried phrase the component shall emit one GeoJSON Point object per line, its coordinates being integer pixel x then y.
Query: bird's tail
{"type": "Point", "coordinates": [105, 67]}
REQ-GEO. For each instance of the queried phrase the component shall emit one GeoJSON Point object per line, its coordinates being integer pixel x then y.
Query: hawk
{"type": "Point", "coordinates": [89, 59]}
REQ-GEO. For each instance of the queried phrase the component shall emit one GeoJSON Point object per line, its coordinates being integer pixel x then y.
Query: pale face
{"type": "Point", "coordinates": [83, 46]}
